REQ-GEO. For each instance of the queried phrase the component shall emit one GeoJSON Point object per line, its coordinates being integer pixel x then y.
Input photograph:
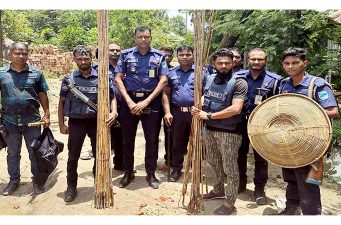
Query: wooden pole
{"type": "Point", "coordinates": [103, 196]}
{"type": "Point", "coordinates": [195, 153]}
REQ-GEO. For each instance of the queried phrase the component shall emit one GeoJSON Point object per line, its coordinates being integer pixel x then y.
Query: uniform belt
{"type": "Point", "coordinates": [139, 94]}
{"type": "Point", "coordinates": [182, 109]}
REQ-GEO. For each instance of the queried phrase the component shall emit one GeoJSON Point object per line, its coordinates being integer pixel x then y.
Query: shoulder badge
{"type": "Point", "coordinates": [323, 95]}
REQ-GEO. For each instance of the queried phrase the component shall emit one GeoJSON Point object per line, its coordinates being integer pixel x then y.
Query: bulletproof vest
{"type": "Point", "coordinates": [73, 106]}
{"type": "Point", "coordinates": [219, 97]}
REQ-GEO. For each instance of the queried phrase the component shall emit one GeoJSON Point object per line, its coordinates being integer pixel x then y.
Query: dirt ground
{"type": "Point", "coordinates": [138, 198]}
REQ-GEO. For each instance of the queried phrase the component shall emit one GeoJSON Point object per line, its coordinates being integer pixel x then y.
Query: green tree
{"type": "Point", "coordinates": [16, 26]}
{"type": "Point", "coordinates": [276, 30]}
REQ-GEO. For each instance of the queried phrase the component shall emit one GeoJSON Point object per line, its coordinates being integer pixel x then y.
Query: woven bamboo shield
{"type": "Point", "coordinates": [290, 130]}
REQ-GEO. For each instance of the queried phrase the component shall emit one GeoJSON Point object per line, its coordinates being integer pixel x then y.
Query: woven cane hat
{"type": "Point", "coordinates": [290, 130]}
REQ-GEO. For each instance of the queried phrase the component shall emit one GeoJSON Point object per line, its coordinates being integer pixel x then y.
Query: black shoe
{"type": "Point", "coordinates": [291, 210]}
{"type": "Point", "coordinates": [175, 176]}
{"type": "Point", "coordinates": [70, 194]}
{"type": "Point", "coordinates": [126, 179]}
{"type": "Point", "coordinates": [152, 181]}
{"type": "Point", "coordinates": [260, 197]}
{"type": "Point", "coordinates": [11, 187]}
{"type": "Point", "coordinates": [38, 189]}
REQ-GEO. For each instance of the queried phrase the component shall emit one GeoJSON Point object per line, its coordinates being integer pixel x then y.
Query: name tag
{"type": "Point", "coordinates": [151, 73]}
{"type": "Point", "coordinates": [258, 99]}
{"type": "Point", "coordinates": [132, 60]}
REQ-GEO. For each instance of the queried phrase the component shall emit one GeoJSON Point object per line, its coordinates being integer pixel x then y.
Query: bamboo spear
{"type": "Point", "coordinates": [103, 195]}
{"type": "Point", "coordinates": [202, 36]}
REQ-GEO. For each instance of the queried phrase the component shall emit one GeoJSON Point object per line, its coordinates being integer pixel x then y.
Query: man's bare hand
{"type": "Point", "coordinates": [168, 119]}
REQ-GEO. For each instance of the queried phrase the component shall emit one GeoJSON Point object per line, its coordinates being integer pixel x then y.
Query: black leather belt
{"type": "Point", "coordinates": [182, 109]}
{"type": "Point", "coordinates": [139, 94]}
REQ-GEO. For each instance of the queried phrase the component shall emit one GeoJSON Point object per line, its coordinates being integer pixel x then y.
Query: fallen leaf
{"type": "Point", "coordinates": [143, 205]}
{"type": "Point", "coordinates": [163, 199]}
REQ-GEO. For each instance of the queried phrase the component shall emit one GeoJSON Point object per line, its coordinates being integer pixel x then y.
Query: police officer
{"type": "Point", "coordinates": [168, 51]}
{"type": "Point", "coordinates": [82, 117]}
{"type": "Point", "coordinates": [237, 59]}
{"type": "Point", "coordinates": [261, 85]}
{"type": "Point", "coordinates": [23, 90]}
{"type": "Point", "coordinates": [114, 51]}
{"type": "Point", "coordinates": [224, 96]}
{"type": "Point", "coordinates": [178, 97]}
{"type": "Point", "coordinates": [145, 72]}
{"type": "Point", "coordinates": [299, 194]}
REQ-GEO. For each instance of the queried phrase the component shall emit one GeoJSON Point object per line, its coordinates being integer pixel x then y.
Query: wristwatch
{"type": "Point", "coordinates": [209, 115]}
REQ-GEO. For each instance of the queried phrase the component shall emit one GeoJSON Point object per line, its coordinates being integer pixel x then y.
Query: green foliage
{"type": "Point", "coordinates": [276, 30]}
{"type": "Point", "coordinates": [71, 36]}
{"type": "Point", "coordinates": [337, 131]}
{"type": "Point", "coordinates": [16, 26]}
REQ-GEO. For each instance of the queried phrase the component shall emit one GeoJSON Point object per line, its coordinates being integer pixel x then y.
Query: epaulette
{"type": "Point", "coordinates": [173, 68]}
{"type": "Point", "coordinates": [320, 82]}
{"type": "Point", "coordinates": [273, 75]}
{"type": "Point", "coordinates": [241, 72]}
{"type": "Point", "coordinates": [124, 51]}
{"type": "Point", "coordinates": [158, 51]}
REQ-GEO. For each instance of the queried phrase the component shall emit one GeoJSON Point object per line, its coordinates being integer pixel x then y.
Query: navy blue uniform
{"type": "Point", "coordinates": [82, 119]}
{"type": "Point", "coordinates": [142, 76]}
{"type": "Point", "coordinates": [298, 192]}
{"type": "Point", "coordinates": [266, 85]}
{"type": "Point", "coordinates": [182, 98]}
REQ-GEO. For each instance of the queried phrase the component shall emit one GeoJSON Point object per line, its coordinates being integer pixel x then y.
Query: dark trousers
{"type": "Point", "coordinates": [167, 139]}
{"type": "Point", "coordinates": [14, 143]}
{"type": "Point", "coordinates": [181, 131]}
{"type": "Point", "coordinates": [261, 165]}
{"type": "Point", "coordinates": [151, 128]}
{"type": "Point", "coordinates": [116, 145]}
{"type": "Point", "coordinates": [78, 129]}
{"type": "Point", "coordinates": [300, 193]}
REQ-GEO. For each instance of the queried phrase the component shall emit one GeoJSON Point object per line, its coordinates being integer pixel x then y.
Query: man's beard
{"type": "Point", "coordinates": [224, 74]}
{"type": "Point", "coordinates": [222, 77]}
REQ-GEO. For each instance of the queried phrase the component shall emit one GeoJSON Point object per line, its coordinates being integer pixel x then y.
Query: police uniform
{"type": "Point", "coordinates": [82, 119]}
{"type": "Point", "coordinates": [223, 136]}
{"type": "Point", "coordinates": [265, 86]}
{"type": "Point", "coordinates": [20, 106]}
{"type": "Point", "coordinates": [115, 131]}
{"type": "Point", "coordinates": [167, 139]}
{"type": "Point", "coordinates": [182, 98]}
{"type": "Point", "coordinates": [299, 193]}
{"type": "Point", "coordinates": [142, 76]}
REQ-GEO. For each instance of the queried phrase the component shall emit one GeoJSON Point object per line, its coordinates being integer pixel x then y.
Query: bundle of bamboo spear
{"type": "Point", "coordinates": [103, 195]}
{"type": "Point", "coordinates": [202, 36]}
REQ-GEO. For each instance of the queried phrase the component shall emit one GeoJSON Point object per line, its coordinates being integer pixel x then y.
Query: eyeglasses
{"type": "Point", "coordinates": [257, 59]}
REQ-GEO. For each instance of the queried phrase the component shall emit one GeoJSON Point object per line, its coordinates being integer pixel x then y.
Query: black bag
{"type": "Point", "coordinates": [46, 149]}
{"type": "Point", "coordinates": [3, 131]}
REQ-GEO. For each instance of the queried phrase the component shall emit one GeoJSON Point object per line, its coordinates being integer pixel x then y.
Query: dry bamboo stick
{"type": "Point", "coordinates": [195, 147]}
{"type": "Point", "coordinates": [103, 195]}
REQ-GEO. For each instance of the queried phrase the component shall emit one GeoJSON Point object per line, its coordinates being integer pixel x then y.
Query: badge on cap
{"type": "Point", "coordinates": [323, 95]}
